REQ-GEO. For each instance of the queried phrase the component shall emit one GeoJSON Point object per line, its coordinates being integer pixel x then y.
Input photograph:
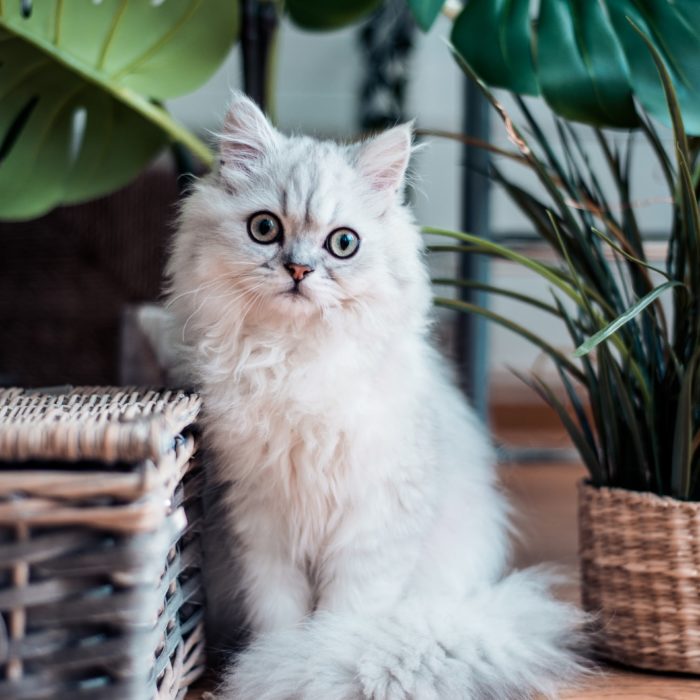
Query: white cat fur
{"type": "Point", "coordinates": [358, 488]}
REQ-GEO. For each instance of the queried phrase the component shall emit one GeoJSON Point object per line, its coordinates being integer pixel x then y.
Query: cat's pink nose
{"type": "Point", "coordinates": [297, 271]}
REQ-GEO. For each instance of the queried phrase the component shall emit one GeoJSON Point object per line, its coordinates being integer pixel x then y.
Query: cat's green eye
{"type": "Point", "coordinates": [342, 243]}
{"type": "Point", "coordinates": [264, 227]}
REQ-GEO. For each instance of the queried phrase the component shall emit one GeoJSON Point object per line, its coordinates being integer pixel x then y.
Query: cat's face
{"type": "Point", "coordinates": [297, 220]}
{"type": "Point", "coordinates": [297, 227]}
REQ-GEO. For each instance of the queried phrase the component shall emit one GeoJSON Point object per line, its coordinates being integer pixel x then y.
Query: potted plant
{"type": "Point", "coordinates": [631, 389]}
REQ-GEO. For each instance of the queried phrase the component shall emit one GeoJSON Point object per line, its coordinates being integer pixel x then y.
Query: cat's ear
{"type": "Point", "coordinates": [246, 136]}
{"type": "Point", "coordinates": [383, 160]}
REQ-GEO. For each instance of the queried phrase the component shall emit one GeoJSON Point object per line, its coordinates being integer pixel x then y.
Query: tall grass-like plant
{"type": "Point", "coordinates": [633, 384]}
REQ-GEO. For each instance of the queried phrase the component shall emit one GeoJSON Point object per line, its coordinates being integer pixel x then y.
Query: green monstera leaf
{"type": "Point", "coordinates": [584, 57]}
{"type": "Point", "coordinates": [80, 86]}
{"type": "Point", "coordinates": [426, 12]}
{"type": "Point", "coordinates": [674, 31]}
{"type": "Point", "coordinates": [581, 67]}
{"type": "Point", "coordinates": [493, 36]}
{"type": "Point", "coordinates": [328, 14]}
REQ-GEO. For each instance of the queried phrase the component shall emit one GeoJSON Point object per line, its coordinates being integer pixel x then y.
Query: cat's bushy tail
{"type": "Point", "coordinates": [512, 640]}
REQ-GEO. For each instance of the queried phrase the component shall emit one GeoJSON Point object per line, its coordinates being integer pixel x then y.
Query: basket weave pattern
{"type": "Point", "coordinates": [640, 570]}
{"type": "Point", "coordinates": [99, 545]}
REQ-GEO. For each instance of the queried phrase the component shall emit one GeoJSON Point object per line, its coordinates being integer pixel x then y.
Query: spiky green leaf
{"type": "Point", "coordinates": [584, 448]}
{"type": "Point", "coordinates": [546, 347]}
{"type": "Point", "coordinates": [612, 327]}
{"type": "Point", "coordinates": [681, 461]}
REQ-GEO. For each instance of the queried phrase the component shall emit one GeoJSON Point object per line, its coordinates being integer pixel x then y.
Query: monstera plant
{"type": "Point", "coordinates": [582, 56]}
{"type": "Point", "coordinates": [80, 89]}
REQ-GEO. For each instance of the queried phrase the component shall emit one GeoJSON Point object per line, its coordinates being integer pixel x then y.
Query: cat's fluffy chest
{"type": "Point", "coordinates": [309, 433]}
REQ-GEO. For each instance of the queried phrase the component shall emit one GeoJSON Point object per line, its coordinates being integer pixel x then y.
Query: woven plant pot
{"type": "Point", "coordinates": [100, 597]}
{"type": "Point", "coordinates": [640, 573]}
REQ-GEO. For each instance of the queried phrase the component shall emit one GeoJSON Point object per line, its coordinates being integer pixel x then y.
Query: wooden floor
{"type": "Point", "coordinates": [544, 496]}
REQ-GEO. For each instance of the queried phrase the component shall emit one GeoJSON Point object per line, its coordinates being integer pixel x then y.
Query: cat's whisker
{"type": "Point", "coordinates": [256, 300]}
{"type": "Point", "coordinates": [246, 269]}
{"type": "Point", "coordinates": [231, 300]}
{"type": "Point", "coordinates": [203, 286]}
{"type": "Point", "coordinates": [204, 301]}
{"type": "Point", "coordinates": [189, 318]}
{"type": "Point", "coordinates": [252, 291]}
{"type": "Point", "coordinates": [357, 304]}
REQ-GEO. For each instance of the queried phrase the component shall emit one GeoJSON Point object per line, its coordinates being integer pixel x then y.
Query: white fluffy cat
{"type": "Point", "coordinates": [357, 487]}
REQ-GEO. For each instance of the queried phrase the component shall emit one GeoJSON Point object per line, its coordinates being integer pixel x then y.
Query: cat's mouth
{"type": "Point", "coordinates": [295, 292]}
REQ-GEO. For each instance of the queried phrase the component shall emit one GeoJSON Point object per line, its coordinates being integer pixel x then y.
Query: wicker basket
{"type": "Point", "coordinates": [99, 545]}
{"type": "Point", "coordinates": [640, 570]}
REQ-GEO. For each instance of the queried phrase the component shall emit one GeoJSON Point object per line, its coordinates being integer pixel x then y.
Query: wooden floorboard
{"type": "Point", "coordinates": [630, 685]}
{"type": "Point", "coordinates": [544, 497]}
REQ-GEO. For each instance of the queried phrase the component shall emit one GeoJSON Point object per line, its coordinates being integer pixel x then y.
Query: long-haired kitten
{"type": "Point", "coordinates": [362, 536]}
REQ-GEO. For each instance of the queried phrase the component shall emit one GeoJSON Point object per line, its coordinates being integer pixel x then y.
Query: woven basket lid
{"type": "Point", "coordinates": [108, 424]}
